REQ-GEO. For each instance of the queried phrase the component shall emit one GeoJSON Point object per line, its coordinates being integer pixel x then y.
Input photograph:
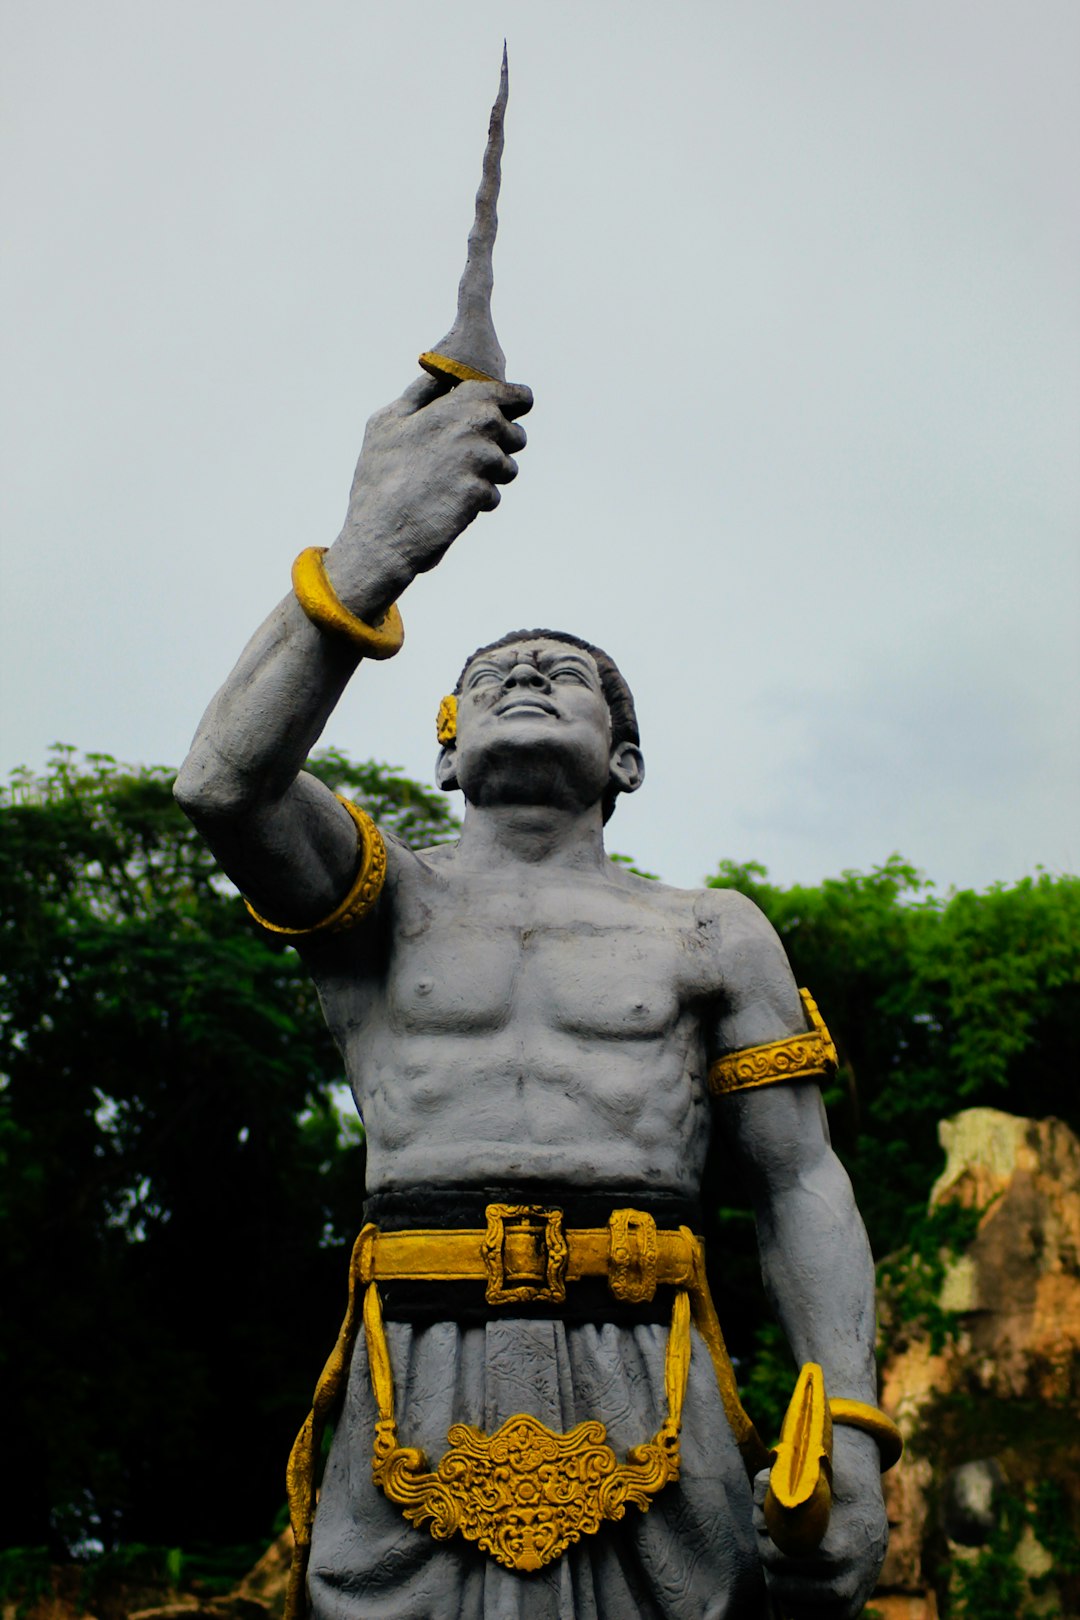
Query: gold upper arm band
{"type": "Point", "coordinates": [811, 1056]}
{"type": "Point", "coordinates": [325, 609]}
{"type": "Point", "coordinates": [365, 890]}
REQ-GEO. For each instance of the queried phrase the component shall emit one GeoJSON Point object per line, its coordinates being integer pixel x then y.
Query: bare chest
{"type": "Point", "coordinates": [590, 963]}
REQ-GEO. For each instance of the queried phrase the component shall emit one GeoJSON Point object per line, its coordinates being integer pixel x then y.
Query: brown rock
{"type": "Point", "coordinates": [896, 1607]}
{"type": "Point", "coordinates": [1006, 1386]}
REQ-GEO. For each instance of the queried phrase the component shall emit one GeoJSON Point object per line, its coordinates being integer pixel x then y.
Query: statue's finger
{"type": "Point", "coordinates": [419, 393]}
{"type": "Point", "coordinates": [513, 399]}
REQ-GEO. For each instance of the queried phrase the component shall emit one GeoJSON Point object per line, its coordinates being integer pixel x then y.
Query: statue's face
{"type": "Point", "coordinates": [532, 727]}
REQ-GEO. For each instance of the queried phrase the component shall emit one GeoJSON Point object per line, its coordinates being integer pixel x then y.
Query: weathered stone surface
{"type": "Point", "coordinates": [1019, 1285]}
{"type": "Point", "coordinates": [994, 1411]}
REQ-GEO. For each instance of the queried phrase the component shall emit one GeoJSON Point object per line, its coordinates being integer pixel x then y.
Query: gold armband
{"type": "Point", "coordinates": [872, 1421]}
{"type": "Point", "coordinates": [811, 1056]}
{"type": "Point", "coordinates": [365, 889]}
{"type": "Point", "coordinates": [324, 608]}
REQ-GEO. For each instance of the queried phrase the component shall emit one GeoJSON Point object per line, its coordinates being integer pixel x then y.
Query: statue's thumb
{"type": "Point", "coordinates": [421, 392]}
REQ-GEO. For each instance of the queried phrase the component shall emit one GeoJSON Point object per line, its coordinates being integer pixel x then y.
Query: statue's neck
{"type": "Point", "coordinates": [533, 834]}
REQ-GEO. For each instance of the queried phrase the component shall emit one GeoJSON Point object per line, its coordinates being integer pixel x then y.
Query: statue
{"type": "Point", "coordinates": [535, 1412]}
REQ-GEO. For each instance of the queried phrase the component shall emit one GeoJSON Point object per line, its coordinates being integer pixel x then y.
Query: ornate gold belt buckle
{"type": "Point", "coordinates": [632, 1256]}
{"type": "Point", "coordinates": [525, 1254]}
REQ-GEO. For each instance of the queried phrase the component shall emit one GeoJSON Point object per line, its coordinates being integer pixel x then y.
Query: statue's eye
{"type": "Point", "coordinates": [483, 677]}
{"type": "Point", "coordinates": [569, 674]}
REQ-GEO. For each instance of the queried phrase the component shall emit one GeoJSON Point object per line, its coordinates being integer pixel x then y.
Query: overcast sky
{"type": "Point", "coordinates": [796, 287]}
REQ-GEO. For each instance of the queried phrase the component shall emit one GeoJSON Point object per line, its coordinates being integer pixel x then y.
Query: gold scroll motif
{"type": "Point", "coordinates": [811, 1056]}
{"type": "Point", "coordinates": [525, 1493]}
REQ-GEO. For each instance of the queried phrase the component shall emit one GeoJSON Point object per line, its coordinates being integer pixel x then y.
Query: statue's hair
{"type": "Point", "coordinates": [620, 699]}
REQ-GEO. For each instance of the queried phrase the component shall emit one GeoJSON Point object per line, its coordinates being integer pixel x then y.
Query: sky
{"type": "Point", "coordinates": [796, 288]}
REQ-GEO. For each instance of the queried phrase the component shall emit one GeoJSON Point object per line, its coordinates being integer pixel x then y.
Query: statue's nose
{"type": "Point", "coordinates": [527, 675]}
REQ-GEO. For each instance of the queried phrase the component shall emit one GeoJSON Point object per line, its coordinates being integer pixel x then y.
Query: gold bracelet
{"type": "Point", "coordinates": [800, 1057]}
{"type": "Point", "coordinates": [365, 889]}
{"type": "Point", "coordinates": [872, 1421]}
{"type": "Point", "coordinates": [442, 366]}
{"type": "Point", "coordinates": [325, 609]}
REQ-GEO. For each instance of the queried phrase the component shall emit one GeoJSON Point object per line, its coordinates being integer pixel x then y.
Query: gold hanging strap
{"type": "Point", "coordinates": [755, 1453]}
{"type": "Point", "coordinates": [811, 1056]}
{"type": "Point", "coordinates": [327, 611]}
{"type": "Point", "coordinates": [300, 1472]}
{"type": "Point", "coordinates": [365, 889]}
{"type": "Point", "coordinates": [525, 1493]}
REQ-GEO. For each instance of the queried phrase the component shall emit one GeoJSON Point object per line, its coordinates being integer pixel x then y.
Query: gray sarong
{"type": "Point", "coordinates": [691, 1557]}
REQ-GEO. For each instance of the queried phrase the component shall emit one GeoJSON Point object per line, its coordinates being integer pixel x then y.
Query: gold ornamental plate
{"type": "Point", "coordinates": [525, 1493]}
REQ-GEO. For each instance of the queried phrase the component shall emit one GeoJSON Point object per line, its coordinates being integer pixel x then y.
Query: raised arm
{"type": "Point", "coordinates": [815, 1261]}
{"type": "Point", "coordinates": [430, 462]}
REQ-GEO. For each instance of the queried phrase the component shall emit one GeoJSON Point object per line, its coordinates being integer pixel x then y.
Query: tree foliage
{"type": "Point", "coordinates": [177, 1184]}
{"type": "Point", "coordinates": [936, 1004]}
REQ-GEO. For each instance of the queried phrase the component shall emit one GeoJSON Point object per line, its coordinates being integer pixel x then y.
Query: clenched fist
{"type": "Point", "coordinates": [430, 462]}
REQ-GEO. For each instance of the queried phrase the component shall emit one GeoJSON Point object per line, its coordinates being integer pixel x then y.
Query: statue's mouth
{"type": "Point", "coordinates": [527, 706]}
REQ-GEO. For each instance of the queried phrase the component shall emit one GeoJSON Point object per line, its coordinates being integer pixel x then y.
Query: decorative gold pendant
{"type": "Point", "coordinates": [525, 1493]}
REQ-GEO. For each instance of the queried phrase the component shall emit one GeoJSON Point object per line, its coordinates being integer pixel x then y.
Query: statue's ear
{"type": "Point", "coordinates": [446, 768]}
{"type": "Point", "coordinates": [628, 767]}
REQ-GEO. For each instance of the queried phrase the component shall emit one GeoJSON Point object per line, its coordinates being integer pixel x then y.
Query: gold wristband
{"type": "Point", "coordinates": [365, 889]}
{"type": "Point", "coordinates": [324, 608]}
{"type": "Point", "coordinates": [442, 366]}
{"type": "Point", "coordinates": [811, 1056]}
{"type": "Point", "coordinates": [872, 1421]}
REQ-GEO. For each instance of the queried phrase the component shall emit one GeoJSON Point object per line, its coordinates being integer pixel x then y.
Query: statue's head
{"type": "Point", "coordinates": [541, 706]}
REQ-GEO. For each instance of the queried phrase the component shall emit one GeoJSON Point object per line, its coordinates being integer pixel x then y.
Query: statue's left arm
{"type": "Point", "coordinates": [815, 1258]}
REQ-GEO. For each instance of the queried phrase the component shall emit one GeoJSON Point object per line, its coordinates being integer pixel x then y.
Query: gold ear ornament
{"type": "Point", "coordinates": [446, 721]}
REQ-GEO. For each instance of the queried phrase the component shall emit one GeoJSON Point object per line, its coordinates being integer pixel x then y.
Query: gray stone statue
{"type": "Point", "coordinates": [536, 1416]}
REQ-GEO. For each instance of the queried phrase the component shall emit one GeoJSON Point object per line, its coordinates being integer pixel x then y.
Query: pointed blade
{"type": "Point", "coordinates": [470, 351]}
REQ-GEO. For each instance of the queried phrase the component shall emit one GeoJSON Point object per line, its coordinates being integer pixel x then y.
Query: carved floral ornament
{"type": "Point", "coordinates": [525, 1493]}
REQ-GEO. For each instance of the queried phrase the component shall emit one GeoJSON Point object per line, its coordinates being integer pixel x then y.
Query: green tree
{"type": "Point", "coordinates": [178, 1186]}
{"type": "Point", "coordinates": [936, 1004]}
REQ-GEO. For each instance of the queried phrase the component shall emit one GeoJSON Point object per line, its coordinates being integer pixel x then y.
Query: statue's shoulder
{"type": "Point", "coordinates": [720, 921]}
{"type": "Point", "coordinates": [409, 866]}
{"type": "Point", "coordinates": [733, 920]}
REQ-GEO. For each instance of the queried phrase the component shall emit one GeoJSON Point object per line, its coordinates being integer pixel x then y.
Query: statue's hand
{"type": "Point", "coordinates": [430, 462]}
{"type": "Point", "coordinates": [836, 1581]}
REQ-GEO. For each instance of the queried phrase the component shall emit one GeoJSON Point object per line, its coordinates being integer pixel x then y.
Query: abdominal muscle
{"type": "Point", "coordinates": [530, 1104]}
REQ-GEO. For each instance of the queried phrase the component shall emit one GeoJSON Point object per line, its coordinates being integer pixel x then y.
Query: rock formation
{"type": "Point", "coordinates": [985, 1505]}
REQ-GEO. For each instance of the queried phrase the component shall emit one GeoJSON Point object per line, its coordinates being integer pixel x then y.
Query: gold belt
{"type": "Point", "coordinates": [525, 1256]}
{"type": "Point", "coordinates": [524, 1493]}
